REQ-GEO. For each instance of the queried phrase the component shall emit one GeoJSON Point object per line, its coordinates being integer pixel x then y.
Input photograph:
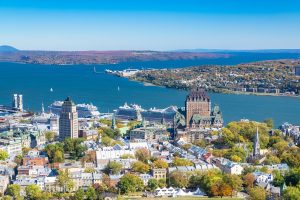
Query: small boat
{"type": "Point", "coordinates": [51, 90]}
{"type": "Point", "coordinates": [95, 71]}
{"type": "Point", "coordinates": [118, 88]}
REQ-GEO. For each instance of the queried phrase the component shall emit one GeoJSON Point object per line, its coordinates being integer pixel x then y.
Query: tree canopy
{"type": "Point", "coordinates": [130, 183]}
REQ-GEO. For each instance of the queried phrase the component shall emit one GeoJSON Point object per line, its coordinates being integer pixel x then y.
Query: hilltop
{"type": "Point", "coordinates": [100, 57]}
{"type": "Point", "coordinates": [6, 48]}
{"type": "Point", "coordinates": [276, 77]}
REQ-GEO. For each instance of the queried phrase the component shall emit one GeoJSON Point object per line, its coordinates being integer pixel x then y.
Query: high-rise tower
{"type": "Point", "coordinates": [17, 102]}
{"type": "Point", "coordinates": [68, 120]}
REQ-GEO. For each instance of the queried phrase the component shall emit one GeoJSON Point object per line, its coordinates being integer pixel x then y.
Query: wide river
{"type": "Point", "coordinates": [84, 86]}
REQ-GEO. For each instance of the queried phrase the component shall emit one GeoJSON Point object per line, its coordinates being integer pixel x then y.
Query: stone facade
{"type": "Point", "coordinates": [198, 112]}
{"type": "Point", "coordinates": [68, 121]}
{"type": "Point", "coordinates": [197, 104]}
{"type": "Point", "coordinates": [159, 173]}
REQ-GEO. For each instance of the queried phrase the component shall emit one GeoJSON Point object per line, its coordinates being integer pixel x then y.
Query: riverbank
{"type": "Point", "coordinates": [267, 78]}
{"type": "Point", "coordinates": [221, 91]}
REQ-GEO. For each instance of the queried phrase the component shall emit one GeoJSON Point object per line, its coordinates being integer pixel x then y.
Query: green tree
{"type": "Point", "coordinates": [105, 121]}
{"type": "Point", "coordinates": [292, 157]}
{"type": "Point", "coordinates": [113, 167]}
{"type": "Point", "coordinates": [195, 180]}
{"type": "Point", "coordinates": [89, 170]}
{"type": "Point", "coordinates": [186, 146]}
{"type": "Point", "coordinates": [249, 180]}
{"type": "Point", "coordinates": [18, 159]}
{"type": "Point", "coordinates": [200, 143]}
{"type": "Point", "coordinates": [64, 181]}
{"type": "Point", "coordinates": [235, 158]}
{"type": "Point", "coordinates": [142, 154]}
{"type": "Point", "coordinates": [278, 179]}
{"type": "Point", "coordinates": [271, 160]}
{"type": "Point", "coordinates": [127, 156]}
{"type": "Point", "coordinates": [14, 190]}
{"type": "Point", "coordinates": [269, 122]}
{"type": "Point", "coordinates": [91, 193]}
{"type": "Point", "coordinates": [25, 150]}
{"type": "Point", "coordinates": [160, 164]}
{"type": "Point", "coordinates": [130, 183]}
{"type": "Point", "coordinates": [181, 162]}
{"type": "Point", "coordinates": [236, 153]}
{"type": "Point", "coordinates": [79, 194]}
{"type": "Point", "coordinates": [162, 183]}
{"type": "Point", "coordinates": [141, 167]}
{"type": "Point", "coordinates": [280, 146]}
{"type": "Point", "coordinates": [3, 155]}
{"type": "Point", "coordinates": [292, 178]}
{"type": "Point", "coordinates": [178, 179]}
{"type": "Point", "coordinates": [74, 147]}
{"type": "Point", "coordinates": [6, 197]}
{"type": "Point", "coordinates": [106, 141]}
{"type": "Point", "coordinates": [113, 134]}
{"type": "Point", "coordinates": [209, 180]}
{"type": "Point", "coordinates": [257, 193]}
{"type": "Point", "coordinates": [152, 184]}
{"type": "Point", "coordinates": [234, 182]}
{"type": "Point", "coordinates": [33, 192]}
{"type": "Point", "coordinates": [291, 193]}
{"type": "Point", "coordinates": [49, 135]}
{"type": "Point", "coordinates": [58, 157]}
{"type": "Point", "coordinates": [55, 152]}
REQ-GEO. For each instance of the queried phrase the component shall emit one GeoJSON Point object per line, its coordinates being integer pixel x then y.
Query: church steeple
{"type": "Point", "coordinates": [256, 145]}
{"type": "Point", "coordinates": [113, 121]}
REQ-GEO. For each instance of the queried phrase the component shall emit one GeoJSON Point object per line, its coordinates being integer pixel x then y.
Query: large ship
{"type": "Point", "coordinates": [84, 110]}
{"type": "Point", "coordinates": [133, 111]}
{"type": "Point", "coordinates": [123, 73]}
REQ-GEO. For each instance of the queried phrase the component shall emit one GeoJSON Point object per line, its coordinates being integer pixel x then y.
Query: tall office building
{"type": "Point", "coordinates": [68, 120]}
{"type": "Point", "coordinates": [17, 102]}
{"type": "Point", "coordinates": [297, 70]}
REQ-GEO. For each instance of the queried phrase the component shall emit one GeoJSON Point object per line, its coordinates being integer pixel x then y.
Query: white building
{"type": "Point", "coordinates": [261, 177]}
{"type": "Point", "coordinates": [228, 166]}
{"type": "Point", "coordinates": [4, 181]}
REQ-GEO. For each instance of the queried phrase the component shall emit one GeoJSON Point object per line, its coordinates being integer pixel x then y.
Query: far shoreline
{"type": "Point", "coordinates": [147, 84]}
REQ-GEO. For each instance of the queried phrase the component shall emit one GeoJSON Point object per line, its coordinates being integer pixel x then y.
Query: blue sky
{"type": "Point", "coordinates": [152, 25]}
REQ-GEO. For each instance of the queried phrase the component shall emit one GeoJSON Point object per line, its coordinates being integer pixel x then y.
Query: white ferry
{"type": "Point", "coordinates": [84, 110]}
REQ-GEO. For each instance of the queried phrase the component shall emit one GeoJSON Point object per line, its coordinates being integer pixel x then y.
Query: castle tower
{"type": "Point", "coordinates": [68, 120]}
{"type": "Point", "coordinates": [256, 145]}
{"type": "Point", "coordinates": [197, 103]}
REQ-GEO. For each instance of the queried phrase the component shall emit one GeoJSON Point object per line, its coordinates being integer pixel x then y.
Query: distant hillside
{"type": "Point", "coordinates": [97, 57]}
{"type": "Point", "coordinates": [239, 51]}
{"type": "Point", "coordinates": [6, 48]}
{"type": "Point", "coordinates": [11, 54]}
